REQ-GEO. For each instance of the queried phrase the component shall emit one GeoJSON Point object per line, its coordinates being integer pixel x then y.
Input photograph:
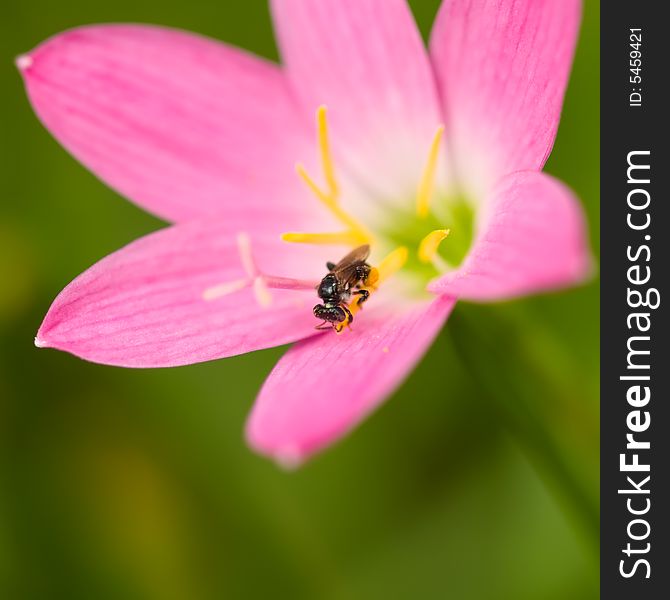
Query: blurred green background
{"type": "Point", "coordinates": [479, 479]}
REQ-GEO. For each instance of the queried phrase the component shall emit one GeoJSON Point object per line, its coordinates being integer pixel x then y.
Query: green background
{"type": "Point", "coordinates": [479, 479]}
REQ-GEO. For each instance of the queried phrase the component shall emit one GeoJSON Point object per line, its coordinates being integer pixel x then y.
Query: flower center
{"type": "Point", "coordinates": [431, 258]}
{"type": "Point", "coordinates": [420, 230]}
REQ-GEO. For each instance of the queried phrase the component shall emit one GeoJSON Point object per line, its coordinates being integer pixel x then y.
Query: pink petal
{"type": "Point", "coordinates": [366, 61]}
{"type": "Point", "coordinates": [502, 67]}
{"type": "Point", "coordinates": [532, 237]}
{"type": "Point", "coordinates": [182, 125]}
{"type": "Point", "coordinates": [143, 305]}
{"type": "Point", "coordinates": [325, 385]}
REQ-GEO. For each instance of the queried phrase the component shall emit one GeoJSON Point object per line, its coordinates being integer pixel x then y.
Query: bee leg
{"type": "Point", "coordinates": [363, 296]}
{"type": "Point", "coordinates": [323, 326]}
{"type": "Point", "coordinates": [350, 317]}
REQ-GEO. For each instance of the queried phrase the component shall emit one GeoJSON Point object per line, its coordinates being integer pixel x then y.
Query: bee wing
{"type": "Point", "coordinates": [357, 255]}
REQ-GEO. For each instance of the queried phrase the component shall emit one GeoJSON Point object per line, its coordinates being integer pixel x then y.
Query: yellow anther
{"type": "Point", "coordinates": [357, 230]}
{"type": "Point", "coordinates": [326, 156]}
{"type": "Point", "coordinates": [344, 238]}
{"type": "Point", "coordinates": [392, 263]}
{"type": "Point", "coordinates": [424, 191]}
{"type": "Point", "coordinates": [428, 249]}
{"type": "Point", "coordinates": [327, 199]}
{"type": "Point", "coordinates": [373, 278]}
{"type": "Point", "coordinates": [356, 233]}
{"type": "Point", "coordinates": [429, 244]}
{"type": "Point", "coordinates": [353, 309]}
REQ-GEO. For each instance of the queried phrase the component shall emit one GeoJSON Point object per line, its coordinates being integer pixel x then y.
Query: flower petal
{"type": "Point", "coordinates": [532, 237]}
{"type": "Point", "coordinates": [502, 68]}
{"type": "Point", "coordinates": [325, 385]}
{"type": "Point", "coordinates": [180, 124]}
{"type": "Point", "coordinates": [144, 306]}
{"type": "Point", "coordinates": [364, 59]}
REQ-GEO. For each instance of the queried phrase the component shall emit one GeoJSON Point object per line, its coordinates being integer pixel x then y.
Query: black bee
{"type": "Point", "coordinates": [344, 280]}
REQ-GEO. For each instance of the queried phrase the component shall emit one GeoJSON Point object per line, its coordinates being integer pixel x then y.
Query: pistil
{"type": "Point", "coordinates": [259, 281]}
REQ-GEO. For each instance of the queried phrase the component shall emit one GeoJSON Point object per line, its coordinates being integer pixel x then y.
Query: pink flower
{"type": "Point", "coordinates": [207, 137]}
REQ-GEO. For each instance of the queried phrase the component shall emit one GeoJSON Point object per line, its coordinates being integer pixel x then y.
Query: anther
{"type": "Point", "coordinates": [344, 238]}
{"type": "Point", "coordinates": [356, 233]}
{"type": "Point", "coordinates": [428, 249]}
{"type": "Point", "coordinates": [391, 264]}
{"type": "Point", "coordinates": [426, 185]}
{"type": "Point", "coordinates": [326, 156]}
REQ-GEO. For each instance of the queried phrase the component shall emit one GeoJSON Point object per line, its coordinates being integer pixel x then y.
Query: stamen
{"type": "Point", "coordinates": [355, 229]}
{"type": "Point", "coordinates": [428, 249]}
{"type": "Point", "coordinates": [324, 148]}
{"type": "Point", "coordinates": [356, 233]}
{"type": "Point", "coordinates": [333, 205]}
{"type": "Point", "coordinates": [391, 264]}
{"type": "Point", "coordinates": [327, 199]}
{"type": "Point", "coordinates": [429, 244]}
{"type": "Point", "coordinates": [427, 182]}
{"type": "Point", "coordinates": [345, 238]}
